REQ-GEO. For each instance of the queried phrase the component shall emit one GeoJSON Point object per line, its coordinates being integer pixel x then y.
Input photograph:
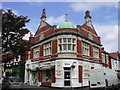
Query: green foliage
{"type": "Point", "coordinates": [13, 31]}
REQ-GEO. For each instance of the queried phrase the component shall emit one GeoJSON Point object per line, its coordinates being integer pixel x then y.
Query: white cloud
{"type": "Point", "coordinates": [91, 5]}
{"type": "Point", "coordinates": [56, 20]}
{"type": "Point", "coordinates": [109, 36]}
{"type": "Point", "coordinates": [26, 37]}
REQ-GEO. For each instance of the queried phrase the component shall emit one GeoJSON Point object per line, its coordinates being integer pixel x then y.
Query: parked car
{"type": "Point", "coordinates": [12, 83]}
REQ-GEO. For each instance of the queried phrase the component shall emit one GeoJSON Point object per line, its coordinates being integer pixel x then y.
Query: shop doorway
{"type": "Point", "coordinates": [67, 77]}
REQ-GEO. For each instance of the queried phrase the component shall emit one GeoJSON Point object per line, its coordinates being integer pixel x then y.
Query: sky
{"type": "Point", "coordinates": [104, 17]}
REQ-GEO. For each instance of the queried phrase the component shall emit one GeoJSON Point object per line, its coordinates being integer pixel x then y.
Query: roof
{"type": "Point", "coordinates": [114, 55]}
{"type": "Point", "coordinates": [66, 24]}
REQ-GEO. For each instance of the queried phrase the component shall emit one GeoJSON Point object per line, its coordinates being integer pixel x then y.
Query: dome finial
{"type": "Point", "coordinates": [66, 18]}
{"type": "Point", "coordinates": [43, 14]}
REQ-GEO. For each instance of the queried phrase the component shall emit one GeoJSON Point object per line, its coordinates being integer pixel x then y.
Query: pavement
{"type": "Point", "coordinates": [27, 87]}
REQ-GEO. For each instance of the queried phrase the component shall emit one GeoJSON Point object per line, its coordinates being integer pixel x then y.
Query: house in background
{"type": "Point", "coordinates": [13, 66]}
{"type": "Point", "coordinates": [62, 55]}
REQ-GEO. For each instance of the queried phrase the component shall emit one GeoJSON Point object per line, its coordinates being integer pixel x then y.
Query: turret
{"type": "Point", "coordinates": [43, 16]}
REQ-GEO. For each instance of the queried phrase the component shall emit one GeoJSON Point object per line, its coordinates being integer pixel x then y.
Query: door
{"type": "Point", "coordinates": [66, 76]}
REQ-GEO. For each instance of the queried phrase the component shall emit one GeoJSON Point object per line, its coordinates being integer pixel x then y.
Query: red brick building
{"type": "Point", "coordinates": [63, 55]}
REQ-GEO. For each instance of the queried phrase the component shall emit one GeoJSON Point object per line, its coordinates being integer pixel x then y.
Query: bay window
{"type": "Point", "coordinates": [66, 44]}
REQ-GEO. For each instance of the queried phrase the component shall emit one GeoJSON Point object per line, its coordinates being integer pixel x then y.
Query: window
{"type": "Point", "coordinates": [28, 55]}
{"type": "Point", "coordinates": [96, 52]}
{"type": "Point", "coordinates": [103, 57]}
{"type": "Point", "coordinates": [46, 76]}
{"type": "Point", "coordinates": [36, 52]}
{"type": "Point", "coordinates": [107, 60]}
{"type": "Point", "coordinates": [67, 44]}
{"type": "Point", "coordinates": [85, 48]}
{"type": "Point", "coordinates": [47, 49]}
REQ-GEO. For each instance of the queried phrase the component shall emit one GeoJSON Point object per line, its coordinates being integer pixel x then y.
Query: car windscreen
{"type": "Point", "coordinates": [15, 80]}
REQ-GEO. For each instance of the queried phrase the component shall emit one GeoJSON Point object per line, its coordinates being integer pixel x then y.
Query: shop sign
{"type": "Point", "coordinates": [67, 64]}
{"type": "Point", "coordinates": [46, 65]}
{"type": "Point", "coordinates": [58, 69]}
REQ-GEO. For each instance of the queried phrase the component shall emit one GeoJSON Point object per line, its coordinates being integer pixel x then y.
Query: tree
{"type": "Point", "coordinates": [13, 31]}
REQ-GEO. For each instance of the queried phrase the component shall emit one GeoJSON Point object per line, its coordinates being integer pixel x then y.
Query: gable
{"type": "Point", "coordinates": [42, 25]}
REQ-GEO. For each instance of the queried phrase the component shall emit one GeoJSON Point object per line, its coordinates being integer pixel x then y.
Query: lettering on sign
{"type": "Point", "coordinates": [46, 65]}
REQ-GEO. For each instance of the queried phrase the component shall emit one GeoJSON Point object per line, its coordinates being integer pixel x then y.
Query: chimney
{"type": "Point", "coordinates": [31, 37]}
{"type": "Point", "coordinates": [43, 16]}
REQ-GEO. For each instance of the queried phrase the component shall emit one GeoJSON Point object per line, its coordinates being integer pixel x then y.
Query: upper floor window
{"type": "Point", "coordinates": [28, 55]}
{"type": "Point", "coordinates": [36, 52]}
{"type": "Point", "coordinates": [47, 48]}
{"type": "Point", "coordinates": [67, 44]}
{"type": "Point", "coordinates": [107, 59]}
{"type": "Point", "coordinates": [85, 48]}
{"type": "Point", "coordinates": [103, 57]}
{"type": "Point", "coordinates": [96, 52]}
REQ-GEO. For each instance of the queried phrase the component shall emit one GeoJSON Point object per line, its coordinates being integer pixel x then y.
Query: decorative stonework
{"type": "Point", "coordinates": [90, 36]}
{"type": "Point", "coordinates": [41, 37]}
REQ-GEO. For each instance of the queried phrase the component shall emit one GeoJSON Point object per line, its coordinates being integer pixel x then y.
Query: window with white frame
{"type": "Point", "coordinates": [96, 52]}
{"type": "Point", "coordinates": [67, 44]}
{"type": "Point", "coordinates": [36, 52]}
{"type": "Point", "coordinates": [47, 48]}
{"type": "Point", "coordinates": [85, 48]}
{"type": "Point", "coordinates": [28, 55]}
{"type": "Point", "coordinates": [107, 59]}
{"type": "Point", "coordinates": [103, 57]}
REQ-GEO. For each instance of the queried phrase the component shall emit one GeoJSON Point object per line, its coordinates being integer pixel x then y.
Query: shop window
{"type": "Point", "coordinates": [34, 77]}
{"type": "Point", "coordinates": [46, 76]}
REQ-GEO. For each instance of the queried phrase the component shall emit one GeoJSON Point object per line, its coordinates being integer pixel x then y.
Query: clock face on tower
{"type": "Point", "coordinates": [41, 36]}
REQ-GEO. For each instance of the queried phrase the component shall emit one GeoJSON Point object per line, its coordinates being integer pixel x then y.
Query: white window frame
{"type": "Point", "coordinates": [70, 41]}
{"type": "Point", "coordinates": [28, 55]}
{"type": "Point", "coordinates": [36, 52]}
{"type": "Point", "coordinates": [48, 48]}
{"type": "Point", "coordinates": [85, 48]}
{"type": "Point", "coordinates": [103, 57]}
{"type": "Point", "coordinates": [107, 59]}
{"type": "Point", "coordinates": [95, 52]}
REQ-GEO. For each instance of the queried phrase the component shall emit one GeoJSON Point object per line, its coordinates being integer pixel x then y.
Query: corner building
{"type": "Point", "coordinates": [63, 55]}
